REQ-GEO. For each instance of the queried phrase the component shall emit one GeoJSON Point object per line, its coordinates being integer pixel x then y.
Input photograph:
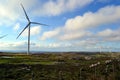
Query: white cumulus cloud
{"type": "Point", "coordinates": [106, 15]}
{"type": "Point", "coordinates": [110, 35]}
{"type": "Point", "coordinates": [11, 11]}
{"type": "Point", "coordinates": [50, 34]}
{"type": "Point", "coordinates": [76, 28]}
{"type": "Point", "coordinates": [53, 8]}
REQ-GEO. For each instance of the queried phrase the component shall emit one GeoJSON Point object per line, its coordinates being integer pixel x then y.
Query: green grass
{"type": "Point", "coordinates": [49, 66]}
{"type": "Point", "coordinates": [24, 61]}
{"type": "Point", "coordinates": [50, 59]}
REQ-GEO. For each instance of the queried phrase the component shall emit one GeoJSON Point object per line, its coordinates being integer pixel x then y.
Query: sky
{"type": "Point", "coordinates": [74, 25]}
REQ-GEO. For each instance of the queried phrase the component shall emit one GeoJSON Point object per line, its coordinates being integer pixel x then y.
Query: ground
{"type": "Point", "coordinates": [60, 66]}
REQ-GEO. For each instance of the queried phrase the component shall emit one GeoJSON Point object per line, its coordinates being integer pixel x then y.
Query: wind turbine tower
{"type": "Point", "coordinates": [28, 26]}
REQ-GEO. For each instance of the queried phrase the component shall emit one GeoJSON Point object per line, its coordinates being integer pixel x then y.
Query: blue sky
{"type": "Point", "coordinates": [75, 25]}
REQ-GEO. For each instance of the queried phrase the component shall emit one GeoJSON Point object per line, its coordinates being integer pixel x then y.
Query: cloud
{"type": "Point", "coordinates": [11, 11]}
{"type": "Point", "coordinates": [22, 45]}
{"type": "Point", "coordinates": [58, 45]}
{"type": "Point", "coordinates": [74, 35]}
{"type": "Point", "coordinates": [53, 8]}
{"type": "Point", "coordinates": [34, 31]}
{"type": "Point", "coordinates": [81, 45]}
{"type": "Point", "coordinates": [109, 35]}
{"type": "Point", "coordinates": [16, 27]}
{"type": "Point", "coordinates": [15, 44]}
{"type": "Point", "coordinates": [54, 45]}
{"type": "Point", "coordinates": [78, 27]}
{"type": "Point", "coordinates": [7, 12]}
{"type": "Point", "coordinates": [18, 45]}
{"type": "Point", "coordinates": [106, 15]}
{"type": "Point", "coordinates": [50, 34]}
{"type": "Point", "coordinates": [105, 33]}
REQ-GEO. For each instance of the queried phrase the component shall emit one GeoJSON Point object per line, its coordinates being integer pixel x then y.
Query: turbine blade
{"type": "Point", "coordinates": [25, 13]}
{"type": "Point", "coordinates": [23, 30]}
{"type": "Point", "coordinates": [3, 36]}
{"type": "Point", "coordinates": [39, 23]}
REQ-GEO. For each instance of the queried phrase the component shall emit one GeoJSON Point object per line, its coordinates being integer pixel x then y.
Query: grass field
{"type": "Point", "coordinates": [60, 66]}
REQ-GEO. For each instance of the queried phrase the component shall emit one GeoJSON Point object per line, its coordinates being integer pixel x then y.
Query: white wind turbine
{"type": "Point", "coordinates": [28, 26]}
{"type": "Point", "coordinates": [3, 36]}
{"type": "Point", "coordinates": [101, 46]}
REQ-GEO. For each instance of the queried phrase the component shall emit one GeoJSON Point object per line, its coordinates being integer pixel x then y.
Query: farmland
{"type": "Point", "coordinates": [60, 66]}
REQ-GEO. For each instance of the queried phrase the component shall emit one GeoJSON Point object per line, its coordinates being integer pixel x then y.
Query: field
{"type": "Point", "coordinates": [60, 66]}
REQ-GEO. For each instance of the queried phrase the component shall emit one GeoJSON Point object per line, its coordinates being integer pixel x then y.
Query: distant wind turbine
{"type": "Point", "coordinates": [3, 36]}
{"type": "Point", "coordinates": [28, 26]}
{"type": "Point", "coordinates": [100, 46]}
